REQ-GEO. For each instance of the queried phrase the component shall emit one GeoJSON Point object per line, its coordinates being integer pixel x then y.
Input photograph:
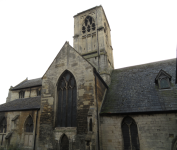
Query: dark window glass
{"type": "Point", "coordinates": [3, 125]}
{"type": "Point", "coordinates": [38, 92]}
{"type": "Point", "coordinates": [29, 124]}
{"type": "Point", "coordinates": [90, 125]}
{"type": "Point", "coordinates": [130, 134]}
{"type": "Point", "coordinates": [21, 94]}
{"type": "Point", "coordinates": [164, 83]}
{"type": "Point", "coordinates": [67, 110]}
{"type": "Point", "coordinates": [64, 143]}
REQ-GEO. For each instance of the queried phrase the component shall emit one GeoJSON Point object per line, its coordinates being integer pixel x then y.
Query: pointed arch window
{"type": "Point", "coordinates": [64, 143]}
{"type": "Point", "coordinates": [130, 134]}
{"type": "Point", "coordinates": [3, 128]}
{"type": "Point", "coordinates": [88, 25]}
{"type": "Point", "coordinates": [28, 132]}
{"type": "Point", "coordinates": [29, 124]}
{"type": "Point", "coordinates": [67, 101]}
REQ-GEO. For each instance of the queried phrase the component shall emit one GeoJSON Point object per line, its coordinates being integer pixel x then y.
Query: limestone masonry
{"type": "Point", "coordinates": [82, 103]}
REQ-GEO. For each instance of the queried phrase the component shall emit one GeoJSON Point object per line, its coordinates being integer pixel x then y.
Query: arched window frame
{"type": "Point", "coordinates": [132, 137]}
{"type": "Point", "coordinates": [85, 25]}
{"type": "Point", "coordinates": [3, 129]}
{"type": "Point", "coordinates": [61, 142]}
{"type": "Point", "coordinates": [28, 133]}
{"type": "Point", "coordinates": [58, 111]}
{"type": "Point", "coordinates": [29, 122]}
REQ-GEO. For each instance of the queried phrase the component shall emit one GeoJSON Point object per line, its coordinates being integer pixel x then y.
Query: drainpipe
{"type": "Point", "coordinates": [35, 131]}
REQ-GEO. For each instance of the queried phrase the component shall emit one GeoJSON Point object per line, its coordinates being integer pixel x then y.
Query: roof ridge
{"type": "Point", "coordinates": [145, 64]}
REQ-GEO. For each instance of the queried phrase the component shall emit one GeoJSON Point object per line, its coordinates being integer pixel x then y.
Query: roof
{"type": "Point", "coordinates": [21, 104]}
{"type": "Point", "coordinates": [28, 83]}
{"type": "Point", "coordinates": [133, 90]}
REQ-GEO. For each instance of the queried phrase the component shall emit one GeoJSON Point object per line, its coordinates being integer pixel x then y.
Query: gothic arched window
{"type": "Point", "coordinates": [67, 105]}
{"type": "Point", "coordinates": [64, 143]}
{"type": "Point", "coordinates": [28, 131]}
{"type": "Point", "coordinates": [130, 134]}
{"type": "Point", "coordinates": [3, 127]}
{"type": "Point", "coordinates": [29, 124]}
{"type": "Point", "coordinates": [88, 25]}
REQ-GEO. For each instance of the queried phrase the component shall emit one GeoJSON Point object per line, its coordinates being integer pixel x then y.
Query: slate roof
{"type": "Point", "coordinates": [28, 83]}
{"type": "Point", "coordinates": [22, 104]}
{"type": "Point", "coordinates": [133, 89]}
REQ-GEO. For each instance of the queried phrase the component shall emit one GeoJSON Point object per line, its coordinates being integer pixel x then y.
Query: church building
{"type": "Point", "coordinates": [82, 103]}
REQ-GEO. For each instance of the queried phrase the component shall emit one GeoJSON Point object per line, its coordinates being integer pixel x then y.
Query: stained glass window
{"type": "Point", "coordinates": [67, 104]}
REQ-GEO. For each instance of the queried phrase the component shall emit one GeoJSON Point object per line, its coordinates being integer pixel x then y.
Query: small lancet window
{"type": "Point", "coordinates": [21, 94]}
{"type": "Point", "coordinates": [67, 101]}
{"type": "Point", "coordinates": [163, 80]}
{"type": "Point", "coordinates": [88, 25]}
{"type": "Point", "coordinates": [29, 124]}
{"type": "Point", "coordinates": [90, 125]}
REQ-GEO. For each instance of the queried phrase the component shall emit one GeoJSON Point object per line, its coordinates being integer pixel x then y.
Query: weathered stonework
{"type": "Point", "coordinates": [17, 128]}
{"type": "Point", "coordinates": [155, 131]}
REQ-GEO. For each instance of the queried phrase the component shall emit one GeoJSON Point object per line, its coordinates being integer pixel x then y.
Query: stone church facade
{"type": "Point", "coordinates": [83, 103]}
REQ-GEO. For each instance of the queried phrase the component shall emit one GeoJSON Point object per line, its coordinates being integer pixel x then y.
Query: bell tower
{"type": "Point", "coordinates": [92, 39]}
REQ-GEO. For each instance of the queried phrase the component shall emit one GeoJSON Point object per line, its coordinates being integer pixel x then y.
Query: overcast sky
{"type": "Point", "coordinates": [32, 32]}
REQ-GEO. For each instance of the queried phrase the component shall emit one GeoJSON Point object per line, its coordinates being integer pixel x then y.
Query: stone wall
{"type": "Point", "coordinates": [17, 127]}
{"type": "Point", "coordinates": [95, 45]}
{"type": "Point", "coordinates": [156, 131]}
{"type": "Point", "coordinates": [67, 59]}
{"type": "Point", "coordinates": [29, 92]}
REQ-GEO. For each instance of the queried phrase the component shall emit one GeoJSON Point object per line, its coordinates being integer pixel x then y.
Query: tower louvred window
{"type": "Point", "coordinates": [67, 110]}
{"type": "Point", "coordinates": [88, 25]}
{"type": "Point", "coordinates": [130, 134]}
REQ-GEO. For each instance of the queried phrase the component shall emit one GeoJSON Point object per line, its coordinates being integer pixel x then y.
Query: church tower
{"type": "Point", "coordinates": [92, 39]}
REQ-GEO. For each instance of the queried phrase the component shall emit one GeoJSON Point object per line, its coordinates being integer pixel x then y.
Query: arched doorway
{"type": "Point", "coordinates": [64, 143]}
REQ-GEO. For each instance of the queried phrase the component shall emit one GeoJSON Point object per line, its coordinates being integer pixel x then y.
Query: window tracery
{"type": "Point", "coordinates": [67, 111]}
{"type": "Point", "coordinates": [130, 134]}
{"type": "Point", "coordinates": [88, 25]}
